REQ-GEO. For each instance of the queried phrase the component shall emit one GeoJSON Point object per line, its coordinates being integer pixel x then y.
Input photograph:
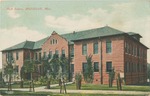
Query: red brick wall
{"type": "Point", "coordinates": [116, 56]}
{"type": "Point", "coordinates": [18, 62]}
{"type": "Point", "coordinates": [79, 58]}
{"type": "Point", "coordinates": [136, 77]}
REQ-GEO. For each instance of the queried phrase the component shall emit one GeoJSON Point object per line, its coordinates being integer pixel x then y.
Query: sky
{"type": "Point", "coordinates": [22, 20]}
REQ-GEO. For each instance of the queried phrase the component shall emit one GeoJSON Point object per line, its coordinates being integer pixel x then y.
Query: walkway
{"type": "Point", "coordinates": [42, 89]}
{"type": "Point", "coordinates": [96, 92]}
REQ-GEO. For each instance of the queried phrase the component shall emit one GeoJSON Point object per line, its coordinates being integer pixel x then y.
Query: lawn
{"type": "Point", "coordinates": [105, 87]}
{"type": "Point", "coordinates": [21, 93]}
{"type": "Point", "coordinates": [25, 85]}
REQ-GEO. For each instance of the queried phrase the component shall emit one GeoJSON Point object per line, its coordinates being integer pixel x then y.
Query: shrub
{"type": "Point", "coordinates": [78, 78]}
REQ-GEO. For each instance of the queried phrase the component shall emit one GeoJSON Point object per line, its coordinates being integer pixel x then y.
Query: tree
{"type": "Point", "coordinates": [64, 65]}
{"type": "Point", "coordinates": [88, 72]}
{"type": "Point", "coordinates": [46, 69]}
{"type": "Point", "coordinates": [148, 71]}
{"type": "Point", "coordinates": [1, 80]}
{"type": "Point", "coordinates": [29, 67]}
{"type": "Point", "coordinates": [111, 77]}
{"type": "Point", "coordinates": [9, 70]}
{"type": "Point", "coordinates": [119, 86]}
{"type": "Point", "coordinates": [57, 67]}
{"type": "Point", "coordinates": [21, 76]}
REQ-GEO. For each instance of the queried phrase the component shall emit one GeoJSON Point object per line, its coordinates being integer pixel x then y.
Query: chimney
{"type": "Point", "coordinates": [74, 32]}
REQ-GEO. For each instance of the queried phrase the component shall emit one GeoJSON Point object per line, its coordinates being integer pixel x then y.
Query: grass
{"type": "Point", "coordinates": [21, 93]}
{"type": "Point", "coordinates": [25, 85]}
{"type": "Point", "coordinates": [105, 87]}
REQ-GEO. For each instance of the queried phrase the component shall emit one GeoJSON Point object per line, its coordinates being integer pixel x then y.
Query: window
{"type": "Point", "coordinates": [108, 46]}
{"type": "Point", "coordinates": [132, 50]}
{"type": "Point", "coordinates": [84, 49]}
{"type": "Point", "coordinates": [39, 56]}
{"type": "Point", "coordinates": [95, 48]}
{"type": "Point", "coordinates": [135, 67]}
{"type": "Point", "coordinates": [44, 55]}
{"type": "Point", "coordinates": [129, 48]}
{"type": "Point", "coordinates": [17, 55]}
{"type": "Point", "coordinates": [6, 55]}
{"type": "Point", "coordinates": [63, 53]}
{"type": "Point", "coordinates": [127, 67]}
{"type": "Point", "coordinates": [145, 54]}
{"type": "Point", "coordinates": [50, 54]}
{"type": "Point", "coordinates": [56, 53]}
{"type": "Point", "coordinates": [96, 67]}
{"type": "Point", "coordinates": [72, 51]}
{"type": "Point", "coordinates": [108, 66]}
{"type": "Point", "coordinates": [72, 67]}
{"type": "Point", "coordinates": [131, 67]}
{"type": "Point", "coordinates": [126, 47]}
{"type": "Point", "coordinates": [84, 67]}
{"type": "Point", "coordinates": [9, 56]}
{"type": "Point", "coordinates": [136, 51]}
{"type": "Point", "coordinates": [27, 55]}
{"type": "Point", "coordinates": [53, 41]}
{"type": "Point", "coordinates": [36, 57]}
{"type": "Point", "coordinates": [56, 41]}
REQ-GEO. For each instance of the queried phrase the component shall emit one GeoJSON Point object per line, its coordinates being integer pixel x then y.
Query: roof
{"type": "Point", "coordinates": [74, 36]}
{"type": "Point", "coordinates": [39, 43]}
{"type": "Point", "coordinates": [22, 45]}
{"type": "Point", "coordinates": [92, 33]}
{"type": "Point", "coordinates": [133, 34]}
{"type": "Point", "coordinates": [27, 45]}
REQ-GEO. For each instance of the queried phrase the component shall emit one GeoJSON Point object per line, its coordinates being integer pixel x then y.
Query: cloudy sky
{"type": "Point", "coordinates": [22, 20]}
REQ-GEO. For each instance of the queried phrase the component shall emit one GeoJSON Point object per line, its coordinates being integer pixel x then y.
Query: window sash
{"type": "Point", "coordinates": [72, 51]}
{"type": "Point", "coordinates": [72, 67]}
{"type": "Point", "coordinates": [84, 67]}
{"type": "Point", "coordinates": [95, 48]}
{"type": "Point", "coordinates": [17, 55]}
{"type": "Point", "coordinates": [36, 57]}
{"type": "Point", "coordinates": [108, 66]}
{"type": "Point", "coordinates": [40, 56]}
{"type": "Point", "coordinates": [96, 67]}
{"type": "Point", "coordinates": [108, 47]}
{"type": "Point", "coordinates": [84, 49]}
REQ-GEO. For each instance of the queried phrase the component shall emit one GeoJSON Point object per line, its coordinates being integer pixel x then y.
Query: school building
{"type": "Point", "coordinates": [109, 47]}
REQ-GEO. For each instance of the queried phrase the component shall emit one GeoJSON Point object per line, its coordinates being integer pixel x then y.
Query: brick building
{"type": "Point", "coordinates": [109, 47]}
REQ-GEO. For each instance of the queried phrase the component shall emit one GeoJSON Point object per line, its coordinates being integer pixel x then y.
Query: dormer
{"type": "Point", "coordinates": [135, 35]}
